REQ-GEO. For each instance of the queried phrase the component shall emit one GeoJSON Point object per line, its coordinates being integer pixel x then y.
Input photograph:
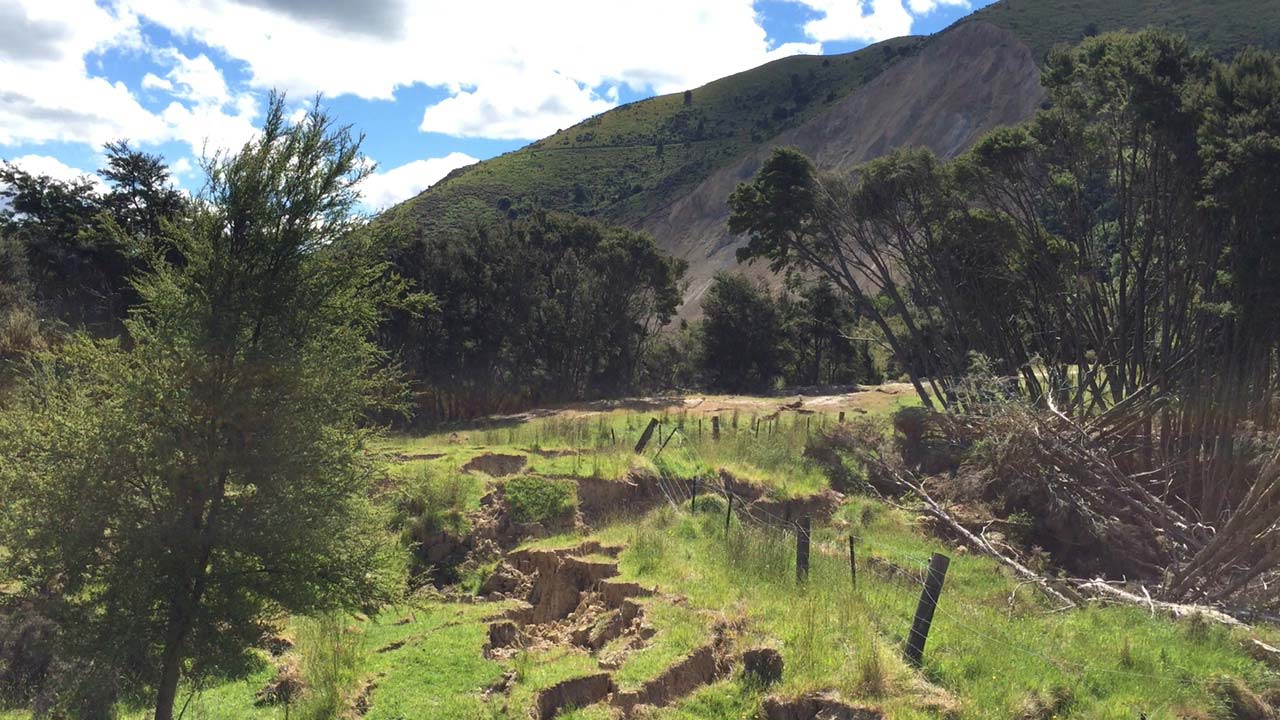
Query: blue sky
{"type": "Point", "coordinates": [433, 84]}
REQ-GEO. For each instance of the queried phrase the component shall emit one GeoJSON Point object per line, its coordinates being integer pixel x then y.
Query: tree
{"type": "Point", "coordinates": [141, 196]}
{"type": "Point", "coordinates": [741, 336]}
{"type": "Point", "coordinates": [166, 501]}
{"type": "Point", "coordinates": [817, 323]}
{"type": "Point", "coordinates": [76, 264]}
{"type": "Point", "coordinates": [550, 308]}
{"type": "Point", "coordinates": [81, 245]}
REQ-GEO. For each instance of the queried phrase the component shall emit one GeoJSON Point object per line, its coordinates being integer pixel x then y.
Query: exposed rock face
{"type": "Point", "coordinates": [966, 81]}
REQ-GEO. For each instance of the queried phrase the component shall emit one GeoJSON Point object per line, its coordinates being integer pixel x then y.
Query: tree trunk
{"type": "Point", "coordinates": [171, 662]}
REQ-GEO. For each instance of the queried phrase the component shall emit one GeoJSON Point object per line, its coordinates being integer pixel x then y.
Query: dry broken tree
{"type": "Point", "coordinates": [1114, 262]}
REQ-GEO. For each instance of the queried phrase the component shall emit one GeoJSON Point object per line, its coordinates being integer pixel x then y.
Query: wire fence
{"type": "Point", "coordinates": [955, 611]}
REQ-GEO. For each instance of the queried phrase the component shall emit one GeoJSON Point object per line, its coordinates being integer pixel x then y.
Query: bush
{"type": "Point", "coordinates": [437, 499]}
{"type": "Point", "coordinates": [330, 654]}
{"type": "Point", "coordinates": [538, 500]}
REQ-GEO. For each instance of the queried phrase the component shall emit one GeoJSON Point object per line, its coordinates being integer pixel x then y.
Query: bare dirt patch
{"type": "Point", "coordinates": [496, 465]}
{"type": "Point", "coordinates": [571, 601]}
{"type": "Point", "coordinates": [823, 706]}
{"type": "Point", "coordinates": [575, 693]}
{"type": "Point", "coordinates": [286, 686]}
{"type": "Point", "coordinates": [700, 667]}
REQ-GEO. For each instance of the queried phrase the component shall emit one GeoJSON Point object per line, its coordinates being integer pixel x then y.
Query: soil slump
{"type": "Point", "coordinates": [817, 707]}
{"type": "Point", "coordinates": [496, 465]}
{"type": "Point", "coordinates": [572, 601]}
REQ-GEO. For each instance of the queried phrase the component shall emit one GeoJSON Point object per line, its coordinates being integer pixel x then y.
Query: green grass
{"type": "Point", "coordinates": [994, 644]}
{"type": "Point", "coordinates": [754, 447]}
{"type": "Point", "coordinates": [535, 499]}
{"type": "Point", "coordinates": [997, 648]}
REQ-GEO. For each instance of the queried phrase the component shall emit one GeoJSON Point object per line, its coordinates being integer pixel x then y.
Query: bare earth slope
{"type": "Point", "coordinates": [964, 83]}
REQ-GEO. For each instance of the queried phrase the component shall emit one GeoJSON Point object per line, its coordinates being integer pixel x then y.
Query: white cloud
{"type": "Point", "coordinates": [867, 20]}
{"type": "Point", "coordinates": [196, 79]}
{"type": "Point", "coordinates": [151, 81]}
{"type": "Point", "coordinates": [481, 51]}
{"type": "Point", "coordinates": [181, 167]}
{"type": "Point", "coordinates": [515, 106]}
{"type": "Point", "coordinates": [49, 94]}
{"type": "Point", "coordinates": [56, 169]}
{"type": "Point", "coordinates": [382, 190]}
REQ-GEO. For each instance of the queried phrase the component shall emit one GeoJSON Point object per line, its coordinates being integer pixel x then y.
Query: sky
{"type": "Point", "coordinates": [433, 84]}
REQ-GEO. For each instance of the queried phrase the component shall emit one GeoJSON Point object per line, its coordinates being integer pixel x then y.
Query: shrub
{"type": "Point", "coordinates": [538, 500]}
{"type": "Point", "coordinates": [330, 654]}
{"type": "Point", "coordinates": [437, 499]}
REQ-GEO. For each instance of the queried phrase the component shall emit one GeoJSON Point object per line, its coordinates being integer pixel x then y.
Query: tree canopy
{"type": "Point", "coordinates": [169, 496]}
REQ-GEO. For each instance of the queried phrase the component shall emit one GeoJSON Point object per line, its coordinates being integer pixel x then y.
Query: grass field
{"type": "Point", "coordinates": [998, 648]}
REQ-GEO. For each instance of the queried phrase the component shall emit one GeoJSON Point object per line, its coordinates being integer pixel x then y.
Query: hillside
{"type": "Point", "coordinates": [667, 166]}
{"type": "Point", "coordinates": [626, 163]}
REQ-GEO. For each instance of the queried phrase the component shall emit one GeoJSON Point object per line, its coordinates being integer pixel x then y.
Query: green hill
{"type": "Point", "coordinates": [625, 163]}
{"type": "Point", "coordinates": [667, 164]}
{"type": "Point", "coordinates": [1223, 26]}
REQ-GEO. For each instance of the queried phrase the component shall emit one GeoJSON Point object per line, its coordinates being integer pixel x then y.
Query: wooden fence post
{"type": "Point", "coordinates": [841, 417]}
{"type": "Point", "coordinates": [924, 611]}
{"type": "Point", "coordinates": [802, 550]}
{"type": "Point", "coordinates": [715, 427]}
{"type": "Point", "coordinates": [853, 563]}
{"type": "Point", "coordinates": [728, 514]}
{"type": "Point", "coordinates": [644, 437]}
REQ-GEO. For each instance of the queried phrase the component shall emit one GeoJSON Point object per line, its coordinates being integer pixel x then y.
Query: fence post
{"type": "Point", "coordinates": [728, 513]}
{"type": "Point", "coordinates": [853, 563]}
{"type": "Point", "coordinates": [644, 437]}
{"type": "Point", "coordinates": [715, 427]}
{"type": "Point", "coordinates": [841, 417]}
{"type": "Point", "coordinates": [802, 550]}
{"type": "Point", "coordinates": [924, 611]}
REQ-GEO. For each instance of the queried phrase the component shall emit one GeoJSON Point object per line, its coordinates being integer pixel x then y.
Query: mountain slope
{"type": "Point", "coordinates": [668, 164]}
{"type": "Point", "coordinates": [960, 86]}
{"type": "Point", "coordinates": [622, 165]}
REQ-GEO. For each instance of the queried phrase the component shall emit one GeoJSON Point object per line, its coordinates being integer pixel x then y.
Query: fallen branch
{"type": "Point", "coordinates": [1179, 610]}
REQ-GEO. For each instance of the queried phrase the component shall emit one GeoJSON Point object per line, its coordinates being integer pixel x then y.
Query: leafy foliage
{"type": "Point", "coordinates": [535, 499]}
{"type": "Point", "coordinates": [168, 498]}
{"type": "Point", "coordinates": [547, 309]}
{"type": "Point", "coordinates": [1113, 259]}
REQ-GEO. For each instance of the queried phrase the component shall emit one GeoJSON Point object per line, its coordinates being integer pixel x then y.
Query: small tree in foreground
{"type": "Point", "coordinates": [167, 498]}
